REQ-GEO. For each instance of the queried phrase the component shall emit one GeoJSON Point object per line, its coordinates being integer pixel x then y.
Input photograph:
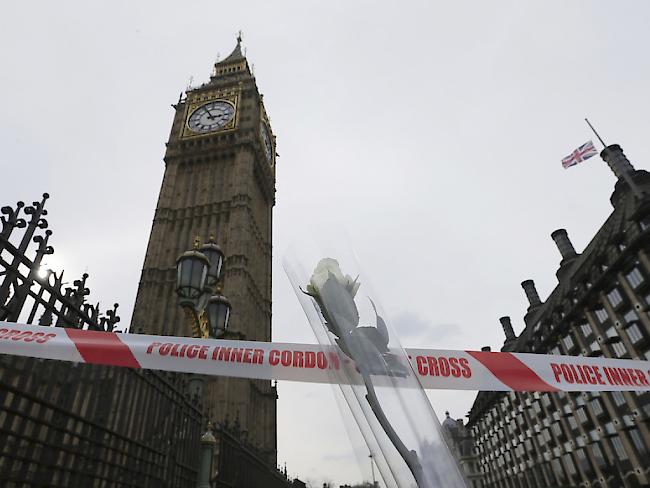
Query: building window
{"type": "Point", "coordinates": [619, 349]}
{"type": "Point", "coordinates": [634, 333]}
{"type": "Point", "coordinates": [568, 462]}
{"type": "Point", "coordinates": [557, 430]}
{"type": "Point", "coordinates": [635, 278]}
{"type": "Point", "coordinates": [586, 329]}
{"type": "Point", "coordinates": [596, 406]}
{"type": "Point", "coordinates": [572, 423]}
{"type": "Point", "coordinates": [582, 416]}
{"type": "Point", "coordinates": [614, 297]}
{"type": "Point", "coordinates": [601, 314]}
{"type": "Point", "coordinates": [619, 398]}
{"type": "Point", "coordinates": [568, 342]}
{"type": "Point", "coordinates": [582, 457]}
{"type": "Point", "coordinates": [630, 316]}
{"type": "Point", "coordinates": [637, 441]}
{"type": "Point", "coordinates": [557, 469]}
{"type": "Point", "coordinates": [611, 332]}
{"type": "Point", "coordinates": [598, 454]}
{"type": "Point", "coordinates": [618, 447]}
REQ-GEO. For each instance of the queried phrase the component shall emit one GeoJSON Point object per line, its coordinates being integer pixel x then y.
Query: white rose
{"type": "Point", "coordinates": [327, 267]}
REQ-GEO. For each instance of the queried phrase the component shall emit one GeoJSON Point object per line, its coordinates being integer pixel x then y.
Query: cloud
{"type": "Point", "coordinates": [338, 456]}
{"type": "Point", "coordinates": [412, 328]}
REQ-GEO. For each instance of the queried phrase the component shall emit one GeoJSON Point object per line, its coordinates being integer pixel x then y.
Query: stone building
{"type": "Point", "coordinates": [600, 307]}
{"type": "Point", "coordinates": [460, 442]}
{"type": "Point", "coordinates": [219, 182]}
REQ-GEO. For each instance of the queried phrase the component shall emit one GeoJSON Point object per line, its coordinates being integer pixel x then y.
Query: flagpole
{"type": "Point", "coordinates": [594, 131]}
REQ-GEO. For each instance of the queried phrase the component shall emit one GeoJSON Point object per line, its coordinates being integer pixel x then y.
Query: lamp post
{"type": "Point", "coordinates": [199, 294]}
{"type": "Point", "coordinates": [198, 290]}
{"type": "Point", "coordinates": [208, 443]}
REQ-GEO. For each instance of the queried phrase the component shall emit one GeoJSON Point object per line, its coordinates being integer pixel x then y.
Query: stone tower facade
{"type": "Point", "coordinates": [219, 181]}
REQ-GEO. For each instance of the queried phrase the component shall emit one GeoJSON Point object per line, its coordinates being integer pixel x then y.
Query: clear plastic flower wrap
{"type": "Point", "coordinates": [376, 380]}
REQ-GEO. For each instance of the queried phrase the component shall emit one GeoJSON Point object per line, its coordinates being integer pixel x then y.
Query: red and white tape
{"type": "Point", "coordinates": [435, 369]}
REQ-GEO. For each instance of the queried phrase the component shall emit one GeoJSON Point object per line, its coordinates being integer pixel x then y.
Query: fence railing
{"type": "Point", "coordinates": [65, 424]}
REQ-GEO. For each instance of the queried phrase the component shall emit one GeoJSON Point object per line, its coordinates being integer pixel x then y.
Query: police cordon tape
{"type": "Point", "coordinates": [435, 369]}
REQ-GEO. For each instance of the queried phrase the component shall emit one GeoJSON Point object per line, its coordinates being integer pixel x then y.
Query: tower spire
{"type": "Point", "coordinates": [236, 54]}
{"type": "Point", "coordinates": [233, 64]}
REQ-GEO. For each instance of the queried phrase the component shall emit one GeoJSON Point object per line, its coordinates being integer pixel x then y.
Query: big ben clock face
{"type": "Point", "coordinates": [211, 117]}
{"type": "Point", "coordinates": [268, 142]}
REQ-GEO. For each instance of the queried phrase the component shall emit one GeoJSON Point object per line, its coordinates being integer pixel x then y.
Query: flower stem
{"type": "Point", "coordinates": [410, 457]}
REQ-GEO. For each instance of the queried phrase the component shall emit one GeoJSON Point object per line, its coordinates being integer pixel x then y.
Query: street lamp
{"type": "Point", "coordinates": [208, 444]}
{"type": "Point", "coordinates": [197, 276]}
{"type": "Point", "coordinates": [197, 285]}
{"type": "Point", "coordinates": [218, 313]}
{"type": "Point", "coordinates": [215, 256]}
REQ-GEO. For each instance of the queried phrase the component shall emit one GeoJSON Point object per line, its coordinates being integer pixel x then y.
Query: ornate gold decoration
{"type": "Point", "coordinates": [191, 320]}
{"type": "Point", "coordinates": [195, 101]}
{"type": "Point", "coordinates": [198, 323]}
{"type": "Point", "coordinates": [204, 325]}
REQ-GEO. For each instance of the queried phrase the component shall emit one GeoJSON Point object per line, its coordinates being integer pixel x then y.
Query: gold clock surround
{"type": "Point", "coordinates": [193, 103]}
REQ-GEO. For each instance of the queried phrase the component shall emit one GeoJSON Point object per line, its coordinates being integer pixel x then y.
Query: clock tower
{"type": "Point", "coordinates": [219, 181]}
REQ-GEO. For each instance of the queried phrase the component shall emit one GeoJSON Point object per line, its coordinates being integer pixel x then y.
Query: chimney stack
{"type": "Point", "coordinates": [531, 294]}
{"type": "Point", "coordinates": [613, 155]}
{"type": "Point", "coordinates": [622, 168]}
{"type": "Point", "coordinates": [507, 328]}
{"type": "Point", "coordinates": [564, 244]}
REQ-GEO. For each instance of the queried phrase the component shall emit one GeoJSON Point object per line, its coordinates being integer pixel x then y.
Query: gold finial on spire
{"type": "Point", "coordinates": [239, 37]}
{"type": "Point", "coordinates": [197, 241]}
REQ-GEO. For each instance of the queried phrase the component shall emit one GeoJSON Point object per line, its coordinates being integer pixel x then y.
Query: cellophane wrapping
{"type": "Point", "coordinates": [384, 396]}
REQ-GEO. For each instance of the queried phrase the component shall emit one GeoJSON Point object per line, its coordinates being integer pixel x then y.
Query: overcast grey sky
{"type": "Point", "coordinates": [431, 131]}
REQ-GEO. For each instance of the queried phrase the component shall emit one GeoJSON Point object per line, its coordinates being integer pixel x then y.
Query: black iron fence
{"type": "Point", "coordinates": [77, 425]}
{"type": "Point", "coordinates": [241, 465]}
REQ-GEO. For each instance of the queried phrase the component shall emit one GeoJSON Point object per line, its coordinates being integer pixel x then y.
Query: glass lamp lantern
{"type": "Point", "coordinates": [218, 310]}
{"type": "Point", "coordinates": [215, 256]}
{"type": "Point", "coordinates": [192, 270]}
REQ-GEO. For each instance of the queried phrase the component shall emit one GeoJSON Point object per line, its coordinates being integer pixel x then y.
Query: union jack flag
{"type": "Point", "coordinates": [585, 151]}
